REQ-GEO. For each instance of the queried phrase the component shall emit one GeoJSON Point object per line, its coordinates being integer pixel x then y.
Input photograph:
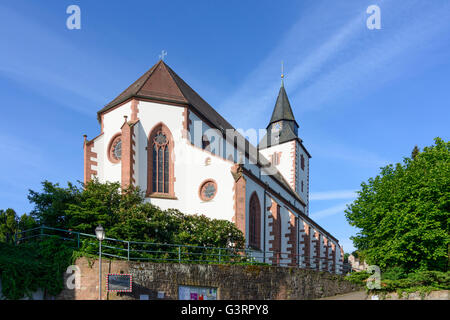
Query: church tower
{"type": "Point", "coordinates": [284, 149]}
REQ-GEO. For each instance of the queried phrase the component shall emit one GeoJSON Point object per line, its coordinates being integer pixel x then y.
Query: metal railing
{"type": "Point", "coordinates": [163, 252]}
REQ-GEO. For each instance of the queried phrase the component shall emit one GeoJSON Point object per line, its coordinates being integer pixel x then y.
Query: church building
{"type": "Point", "coordinates": [160, 135]}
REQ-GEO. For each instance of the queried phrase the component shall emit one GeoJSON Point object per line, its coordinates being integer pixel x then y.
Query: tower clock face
{"type": "Point", "coordinates": [277, 126]}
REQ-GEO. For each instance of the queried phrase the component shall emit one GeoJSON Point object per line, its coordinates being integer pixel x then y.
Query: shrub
{"type": "Point", "coordinates": [358, 277]}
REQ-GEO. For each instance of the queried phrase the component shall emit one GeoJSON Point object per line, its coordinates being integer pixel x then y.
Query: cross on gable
{"type": "Point", "coordinates": [163, 54]}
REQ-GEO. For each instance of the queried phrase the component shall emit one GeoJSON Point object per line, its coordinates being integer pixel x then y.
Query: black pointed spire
{"type": "Point", "coordinates": [282, 126]}
{"type": "Point", "coordinates": [282, 110]}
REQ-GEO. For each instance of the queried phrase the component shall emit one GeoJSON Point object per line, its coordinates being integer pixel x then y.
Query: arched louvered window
{"type": "Point", "coordinates": [160, 171]}
{"type": "Point", "coordinates": [254, 222]}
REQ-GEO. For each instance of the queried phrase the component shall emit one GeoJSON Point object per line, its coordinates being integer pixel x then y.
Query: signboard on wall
{"type": "Point", "coordinates": [197, 293]}
{"type": "Point", "coordinates": [119, 282]}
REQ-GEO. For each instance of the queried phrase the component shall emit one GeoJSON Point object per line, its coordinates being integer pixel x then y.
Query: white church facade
{"type": "Point", "coordinates": [160, 135]}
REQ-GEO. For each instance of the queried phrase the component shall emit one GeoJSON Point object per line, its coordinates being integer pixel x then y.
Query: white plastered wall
{"type": "Point", "coordinates": [190, 166]}
{"type": "Point", "coordinates": [286, 160]}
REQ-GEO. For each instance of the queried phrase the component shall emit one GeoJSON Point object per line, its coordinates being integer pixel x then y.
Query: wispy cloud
{"type": "Point", "coordinates": [378, 59]}
{"type": "Point", "coordinates": [352, 155]}
{"type": "Point", "coordinates": [47, 63]}
{"type": "Point", "coordinates": [19, 153]}
{"type": "Point", "coordinates": [331, 55]}
{"type": "Point", "coordinates": [337, 209]}
{"type": "Point", "coordinates": [332, 195]}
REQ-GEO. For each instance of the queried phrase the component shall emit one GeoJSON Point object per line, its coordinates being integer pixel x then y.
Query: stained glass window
{"type": "Point", "coordinates": [208, 190]}
{"type": "Point", "coordinates": [161, 161]}
{"type": "Point", "coordinates": [115, 149]}
{"type": "Point", "coordinates": [118, 150]}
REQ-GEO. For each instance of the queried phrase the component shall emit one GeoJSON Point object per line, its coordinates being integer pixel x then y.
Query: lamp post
{"type": "Point", "coordinates": [100, 233]}
{"type": "Point", "coordinates": [231, 244]}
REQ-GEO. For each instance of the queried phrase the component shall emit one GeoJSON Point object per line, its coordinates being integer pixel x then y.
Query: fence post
{"type": "Point", "coordinates": [78, 240]}
{"type": "Point", "coordinates": [179, 254]}
{"type": "Point", "coordinates": [128, 251]}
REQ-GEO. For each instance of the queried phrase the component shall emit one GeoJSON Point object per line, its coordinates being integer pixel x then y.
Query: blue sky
{"type": "Point", "coordinates": [363, 98]}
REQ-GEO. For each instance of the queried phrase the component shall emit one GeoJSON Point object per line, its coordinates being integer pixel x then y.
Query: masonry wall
{"type": "Point", "coordinates": [232, 282]}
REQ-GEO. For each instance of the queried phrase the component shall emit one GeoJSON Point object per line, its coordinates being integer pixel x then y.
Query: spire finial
{"type": "Point", "coordinates": [282, 72]}
{"type": "Point", "coordinates": [163, 54]}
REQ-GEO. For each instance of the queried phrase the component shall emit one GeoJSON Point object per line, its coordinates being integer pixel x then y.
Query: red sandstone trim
{"type": "Point", "coordinates": [292, 240]}
{"type": "Point", "coordinates": [316, 250]}
{"type": "Point", "coordinates": [333, 256]}
{"type": "Point", "coordinates": [88, 162]}
{"type": "Point", "coordinates": [327, 258]}
{"type": "Point", "coordinates": [275, 227]}
{"type": "Point", "coordinates": [239, 199]}
{"type": "Point", "coordinates": [134, 109]}
{"type": "Point", "coordinates": [186, 123]}
{"type": "Point", "coordinates": [306, 243]}
{"type": "Point", "coordinates": [127, 154]}
{"type": "Point", "coordinates": [102, 125]}
{"type": "Point", "coordinates": [294, 166]}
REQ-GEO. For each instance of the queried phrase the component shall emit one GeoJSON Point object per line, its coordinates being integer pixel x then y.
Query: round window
{"type": "Point", "coordinates": [115, 149]}
{"type": "Point", "coordinates": [208, 190]}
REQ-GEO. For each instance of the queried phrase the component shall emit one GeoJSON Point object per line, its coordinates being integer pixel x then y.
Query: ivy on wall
{"type": "Point", "coordinates": [29, 267]}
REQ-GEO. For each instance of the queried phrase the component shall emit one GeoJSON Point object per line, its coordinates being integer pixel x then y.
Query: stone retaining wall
{"type": "Point", "coordinates": [232, 281]}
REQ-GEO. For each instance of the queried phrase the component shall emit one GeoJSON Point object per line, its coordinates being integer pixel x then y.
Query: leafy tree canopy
{"type": "Point", "coordinates": [125, 215]}
{"type": "Point", "coordinates": [403, 213]}
{"type": "Point", "coordinates": [11, 224]}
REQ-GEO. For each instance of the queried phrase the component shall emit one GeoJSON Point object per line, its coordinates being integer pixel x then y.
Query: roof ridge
{"type": "Point", "coordinates": [132, 89]}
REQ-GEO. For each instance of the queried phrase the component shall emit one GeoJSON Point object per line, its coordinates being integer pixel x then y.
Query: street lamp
{"type": "Point", "coordinates": [100, 233]}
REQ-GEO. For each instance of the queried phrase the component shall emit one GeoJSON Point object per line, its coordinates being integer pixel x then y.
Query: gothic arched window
{"type": "Point", "coordinates": [254, 222]}
{"type": "Point", "coordinates": [160, 165]}
{"type": "Point", "coordinates": [278, 229]}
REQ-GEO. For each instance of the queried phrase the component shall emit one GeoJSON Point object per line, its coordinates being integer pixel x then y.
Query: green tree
{"type": "Point", "coordinates": [8, 224]}
{"type": "Point", "coordinates": [11, 224]}
{"type": "Point", "coordinates": [100, 203]}
{"type": "Point", "coordinates": [51, 203]}
{"type": "Point", "coordinates": [27, 222]}
{"type": "Point", "coordinates": [415, 152]}
{"type": "Point", "coordinates": [125, 215]}
{"type": "Point", "coordinates": [403, 213]}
